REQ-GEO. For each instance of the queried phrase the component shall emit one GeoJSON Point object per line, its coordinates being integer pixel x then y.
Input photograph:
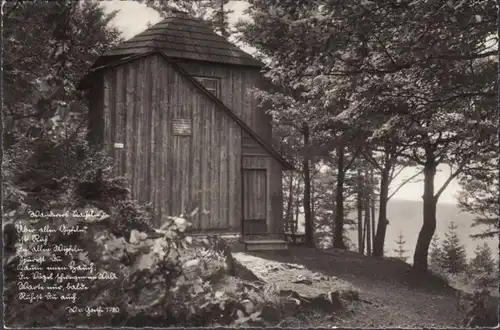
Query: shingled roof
{"type": "Point", "coordinates": [182, 36]}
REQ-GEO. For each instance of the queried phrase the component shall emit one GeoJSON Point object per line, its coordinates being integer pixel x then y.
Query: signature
{"type": "Point", "coordinates": [96, 310]}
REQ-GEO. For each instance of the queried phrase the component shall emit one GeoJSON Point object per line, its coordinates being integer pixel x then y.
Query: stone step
{"type": "Point", "coordinates": [265, 245]}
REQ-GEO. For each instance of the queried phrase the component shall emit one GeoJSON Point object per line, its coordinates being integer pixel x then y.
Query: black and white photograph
{"type": "Point", "coordinates": [251, 163]}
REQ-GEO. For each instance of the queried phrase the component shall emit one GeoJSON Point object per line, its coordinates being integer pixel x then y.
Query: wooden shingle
{"type": "Point", "coordinates": [184, 37]}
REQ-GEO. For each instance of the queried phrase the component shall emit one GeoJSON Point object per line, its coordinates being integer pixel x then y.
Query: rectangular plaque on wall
{"type": "Point", "coordinates": [181, 127]}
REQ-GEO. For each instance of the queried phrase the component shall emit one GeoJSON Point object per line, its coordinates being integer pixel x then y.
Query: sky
{"type": "Point", "coordinates": [133, 18]}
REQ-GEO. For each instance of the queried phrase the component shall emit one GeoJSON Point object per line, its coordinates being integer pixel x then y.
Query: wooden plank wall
{"type": "Point", "coordinates": [175, 173]}
{"type": "Point", "coordinates": [252, 147]}
{"type": "Point", "coordinates": [235, 85]}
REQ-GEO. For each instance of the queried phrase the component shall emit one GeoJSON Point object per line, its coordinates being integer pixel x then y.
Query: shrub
{"type": "Point", "coordinates": [165, 277]}
{"type": "Point", "coordinates": [481, 309]}
{"type": "Point", "coordinates": [481, 267]}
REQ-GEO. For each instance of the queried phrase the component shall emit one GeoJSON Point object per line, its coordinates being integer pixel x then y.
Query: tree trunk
{"type": "Point", "coordinates": [372, 203]}
{"type": "Point", "coordinates": [222, 20]}
{"type": "Point", "coordinates": [366, 202]}
{"type": "Point", "coordinates": [309, 234]}
{"type": "Point", "coordinates": [364, 236]}
{"type": "Point", "coordinates": [378, 243]}
{"type": "Point", "coordinates": [359, 206]}
{"type": "Point", "coordinates": [289, 206]}
{"type": "Point", "coordinates": [338, 234]}
{"type": "Point", "coordinates": [313, 201]}
{"type": "Point", "coordinates": [296, 222]}
{"type": "Point", "coordinates": [429, 225]}
{"type": "Point", "coordinates": [332, 224]}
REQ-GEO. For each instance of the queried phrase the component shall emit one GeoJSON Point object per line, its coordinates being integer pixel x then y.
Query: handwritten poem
{"type": "Point", "coordinates": [57, 272]}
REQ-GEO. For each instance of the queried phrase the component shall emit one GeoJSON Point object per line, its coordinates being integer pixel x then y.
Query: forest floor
{"type": "Point", "coordinates": [391, 294]}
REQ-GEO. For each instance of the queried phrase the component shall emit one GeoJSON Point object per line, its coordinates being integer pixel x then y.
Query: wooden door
{"type": "Point", "coordinates": [254, 201]}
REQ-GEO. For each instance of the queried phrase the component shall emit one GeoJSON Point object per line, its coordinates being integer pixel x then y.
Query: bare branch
{"type": "Point", "coordinates": [394, 175]}
{"type": "Point", "coordinates": [458, 57]}
{"type": "Point", "coordinates": [404, 183]}
{"type": "Point", "coordinates": [448, 181]}
{"type": "Point", "coordinates": [368, 157]}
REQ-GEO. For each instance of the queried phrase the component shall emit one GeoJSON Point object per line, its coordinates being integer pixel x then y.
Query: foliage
{"type": "Point", "coordinates": [454, 258]}
{"type": "Point", "coordinates": [169, 277]}
{"type": "Point", "coordinates": [213, 12]}
{"type": "Point", "coordinates": [323, 182]}
{"type": "Point", "coordinates": [398, 76]}
{"type": "Point", "coordinates": [400, 250]}
{"type": "Point", "coordinates": [480, 309]}
{"type": "Point", "coordinates": [436, 255]}
{"type": "Point", "coordinates": [482, 275]}
{"type": "Point", "coordinates": [479, 196]}
{"type": "Point", "coordinates": [44, 60]}
{"type": "Point", "coordinates": [481, 268]}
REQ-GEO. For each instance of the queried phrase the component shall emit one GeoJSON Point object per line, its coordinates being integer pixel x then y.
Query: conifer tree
{"type": "Point", "coordinates": [400, 250]}
{"type": "Point", "coordinates": [482, 264]}
{"type": "Point", "coordinates": [454, 259]}
{"type": "Point", "coordinates": [435, 254]}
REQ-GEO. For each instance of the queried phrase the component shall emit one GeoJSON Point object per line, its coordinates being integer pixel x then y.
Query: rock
{"type": "Point", "coordinates": [248, 305]}
{"type": "Point", "coordinates": [302, 280]}
{"type": "Point", "coordinates": [350, 295]}
{"type": "Point", "coordinates": [271, 313]}
{"type": "Point", "coordinates": [328, 301]}
{"type": "Point", "coordinates": [243, 272]}
{"type": "Point", "coordinates": [232, 266]}
{"type": "Point", "coordinates": [290, 307]}
{"type": "Point", "coordinates": [293, 266]}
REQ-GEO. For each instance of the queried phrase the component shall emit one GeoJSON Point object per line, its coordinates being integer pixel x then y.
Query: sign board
{"type": "Point", "coordinates": [181, 127]}
{"type": "Point", "coordinates": [119, 145]}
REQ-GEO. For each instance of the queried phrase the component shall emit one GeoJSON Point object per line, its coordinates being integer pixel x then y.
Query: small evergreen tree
{"type": "Point", "coordinates": [482, 266]}
{"type": "Point", "coordinates": [435, 254]}
{"type": "Point", "coordinates": [454, 259]}
{"type": "Point", "coordinates": [400, 250]}
{"type": "Point", "coordinates": [482, 262]}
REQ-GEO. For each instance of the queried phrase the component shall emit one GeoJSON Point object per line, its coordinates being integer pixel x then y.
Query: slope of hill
{"type": "Point", "coordinates": [385, 292]}
{"type": "Point", "coordinates": [406, 216]}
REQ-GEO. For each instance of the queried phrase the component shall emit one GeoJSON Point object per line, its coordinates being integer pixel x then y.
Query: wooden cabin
{"type": "Point", "coordinates": [172, 106]}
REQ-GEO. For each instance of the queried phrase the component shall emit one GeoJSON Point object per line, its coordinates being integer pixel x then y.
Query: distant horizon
{"type": "Point", "coordinates": [406, 216]}
{"type": "Point", "coordinates": [421, 200]}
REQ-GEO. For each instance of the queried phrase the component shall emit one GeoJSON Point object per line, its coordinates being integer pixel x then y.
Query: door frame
{"type": "Point", "coordinates": [249, 169]}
